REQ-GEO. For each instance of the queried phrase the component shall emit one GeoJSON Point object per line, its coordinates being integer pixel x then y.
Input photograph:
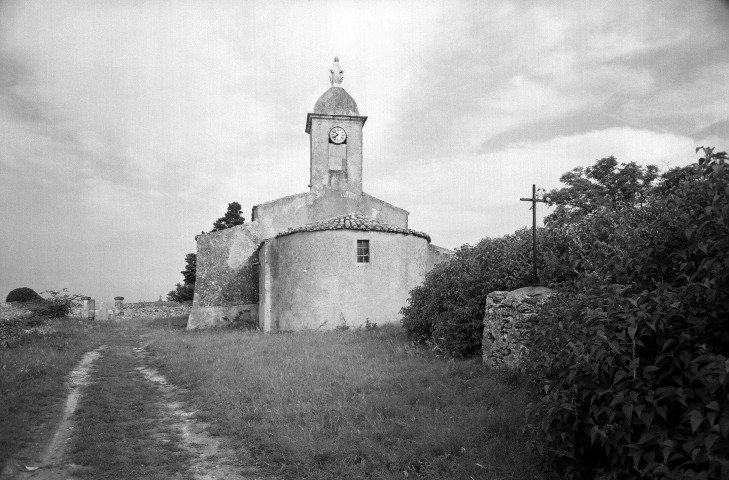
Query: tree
{"type": "Point", "coordinates": [185, 292]}
{"type": "Point", "coordinates": [182, 293]}
{"type": "Point", "coordinates": [604, 185]}
{"type": "Point", "coordinates": [190, 271]}
{"type": "Point", "coordinates": [231, 218]}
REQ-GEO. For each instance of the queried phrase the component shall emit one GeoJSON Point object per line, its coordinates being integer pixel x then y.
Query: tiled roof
{"type": "Point", "coordinates": [353, 221]}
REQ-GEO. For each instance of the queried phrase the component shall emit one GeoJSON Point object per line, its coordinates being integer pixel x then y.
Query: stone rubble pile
{"type": "Point", "coordinates": [507, 324]}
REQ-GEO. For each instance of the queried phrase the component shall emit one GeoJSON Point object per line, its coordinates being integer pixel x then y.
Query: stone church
{"type": "Point", "coordinates": [318, 259]}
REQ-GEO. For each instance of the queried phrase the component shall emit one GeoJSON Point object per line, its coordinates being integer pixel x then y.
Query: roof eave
{"type": "Point", "coordinates": [325, 116]}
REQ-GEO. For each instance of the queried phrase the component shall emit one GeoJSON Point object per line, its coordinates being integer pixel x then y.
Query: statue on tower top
{"type": "Point", "coordinates": [336, 74]}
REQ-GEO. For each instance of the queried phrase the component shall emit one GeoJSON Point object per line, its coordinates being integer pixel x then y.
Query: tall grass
{"type": "Point", "coordinates": [352, 404]}
{"type": "Point", "coordinates": [33, 369]}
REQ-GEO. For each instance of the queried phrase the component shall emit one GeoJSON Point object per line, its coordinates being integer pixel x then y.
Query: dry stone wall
{"type": "Point", "coordinates": [13, 311]}
{"type": "Point", "coordinates": [11, 325]}
{"type": "Point", "coordinates": [16, 320]}
{"type": "Point", "coordinates": [155, 309]}
{"type": "Point", "coordinates": [507, 324]}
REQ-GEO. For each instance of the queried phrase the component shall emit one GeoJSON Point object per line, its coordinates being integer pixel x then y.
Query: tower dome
{"type": "Point", "coordinates": [336, 101]}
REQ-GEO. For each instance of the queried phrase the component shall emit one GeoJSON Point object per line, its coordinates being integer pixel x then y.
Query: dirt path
{"type": "Point", "coordinates": [124, 420]}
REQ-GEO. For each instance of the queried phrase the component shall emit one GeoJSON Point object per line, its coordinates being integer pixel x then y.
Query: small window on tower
{"type": "Point", "coordinates": [363, 251]}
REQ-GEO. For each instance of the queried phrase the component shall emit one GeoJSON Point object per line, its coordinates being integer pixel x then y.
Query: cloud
{"type": "Point", "coordinates": [523, 67]}
{"type": "Point", "coordinates": [127, 127]}
{"type": "Point", "coordinates": [463, 199]}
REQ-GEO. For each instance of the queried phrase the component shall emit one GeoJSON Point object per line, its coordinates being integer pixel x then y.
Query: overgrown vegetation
{"type": "Point", "coordinates": [446, 311]}
{"type": "Point", "coordinates": [632, 362]}
{"type": "Point", "coordinates": [629, 368]}
{"type": "Point", "coordinates": [56, 304]}
{"type": "Point", "coordinates": [59, 303]}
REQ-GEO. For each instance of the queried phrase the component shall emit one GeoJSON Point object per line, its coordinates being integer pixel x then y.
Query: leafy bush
{"type": "Point", "coordinates": [58, 304]}
{"type": "Point", "coordinates": [23, 294]}
{"type": "Point", "coordinates": [446, 311]}
{"type": "Point", "coordinates": [634, 378]}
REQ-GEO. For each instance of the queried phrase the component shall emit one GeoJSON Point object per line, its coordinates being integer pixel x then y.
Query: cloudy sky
{"type": "Point", "coordinates": [126, 127]}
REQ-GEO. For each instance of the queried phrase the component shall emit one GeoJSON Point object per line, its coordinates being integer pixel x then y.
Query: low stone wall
{"type": "Point", "coordinates": [204, 317]}
{"type": "Point", "coordinates": [507, 323]}
{"type": "Point", "coordinates": [13, 311]}
{"type": "Point", "coordinates": [12, 324]}
{"type": "Point", "coordinates": [155, 309]}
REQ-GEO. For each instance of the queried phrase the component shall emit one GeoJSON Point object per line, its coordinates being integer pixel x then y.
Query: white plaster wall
{"type": "Point", "coordinates": [312, 280]}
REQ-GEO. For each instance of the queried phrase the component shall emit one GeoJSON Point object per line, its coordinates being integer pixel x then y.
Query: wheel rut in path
{"type": "Point", "coordinates": [211, 458]}
{"type": "Point", "coordinates": [50, 463]}
{"type": "Point", "coordinates": [130, 422]}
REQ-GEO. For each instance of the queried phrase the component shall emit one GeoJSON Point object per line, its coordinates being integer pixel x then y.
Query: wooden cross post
{"type": "Point", "coordinates": [534, 201]}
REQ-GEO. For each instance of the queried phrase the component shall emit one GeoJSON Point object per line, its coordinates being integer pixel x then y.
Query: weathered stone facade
{"type": "Point", "coordinates": [507, 323]}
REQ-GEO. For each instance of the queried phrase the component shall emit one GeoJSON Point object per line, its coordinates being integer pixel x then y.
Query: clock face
{"type": "Point", "coordinates": [337, 135]}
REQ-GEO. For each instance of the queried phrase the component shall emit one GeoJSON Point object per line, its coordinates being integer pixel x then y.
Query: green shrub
{"type": "Point", "coordinates": [446, 311]}
{"type": "Point", "coordinates": [634, 379]}
{"type": "Point", "coordinates": [23, 294]}
{"type": "Point", "coordinates": [630, 362]}
{"type": "Point", "coordinates": [58, 304]}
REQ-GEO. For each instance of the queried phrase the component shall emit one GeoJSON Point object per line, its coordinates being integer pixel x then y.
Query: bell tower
{"type": "Point", "coordinates": [335, 134]}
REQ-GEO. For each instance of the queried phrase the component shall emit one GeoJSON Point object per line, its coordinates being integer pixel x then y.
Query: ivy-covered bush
{"type": "Point", "coordinates": [631, 361]}
{"type": "Point", "coordinates": [23, 294]}
{"type": "Point", "coordinates": [446, 311]}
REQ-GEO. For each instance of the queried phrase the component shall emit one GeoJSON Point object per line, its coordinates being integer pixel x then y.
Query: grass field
{"type": "Point", "coordinates": [310, 405]}
{"type": "Point", "coordinates": [351, 404]}
{"type": "Point", "coordinates": [32, 374]}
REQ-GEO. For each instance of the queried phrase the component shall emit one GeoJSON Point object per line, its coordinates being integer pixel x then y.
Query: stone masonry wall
{"type": "Point", "coordinates": [507, 323]}
{"type": "Point", "coordinates": [227, 273]}
{"type": "Point", "coordinates": [156, 309]}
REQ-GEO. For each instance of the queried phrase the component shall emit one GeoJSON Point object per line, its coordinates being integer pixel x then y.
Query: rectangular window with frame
{"type": "Point", "coordinates": [363, 251]}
